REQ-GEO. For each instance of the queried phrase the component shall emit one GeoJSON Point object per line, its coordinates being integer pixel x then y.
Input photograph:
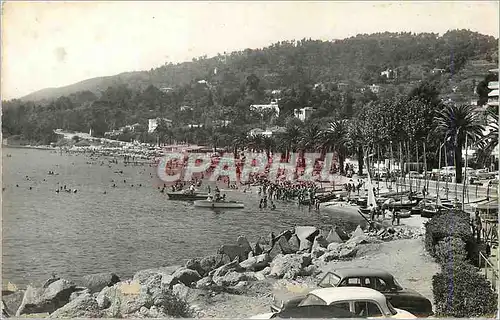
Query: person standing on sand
{"type": "Point", "coordinates": [372, 212]}
{"type": "Point", "coordinates": [394, 214]}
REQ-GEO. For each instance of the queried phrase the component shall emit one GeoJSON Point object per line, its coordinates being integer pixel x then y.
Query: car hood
{"type": "Point", "coordinates": [263, 316]}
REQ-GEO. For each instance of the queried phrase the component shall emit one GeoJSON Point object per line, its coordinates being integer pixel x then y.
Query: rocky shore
{"type": "Point", "coordinates": [237, 281]}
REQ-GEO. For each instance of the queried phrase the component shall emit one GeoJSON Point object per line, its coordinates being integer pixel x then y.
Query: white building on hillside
{"type": "Point", "coordinates": [493, 95]}
{"type": "Point", "coordinates": [304, 113]}
{"type": "Point", "coordinates": [153, 123]}
{"type": "Point", "coordinates": [261, 107]}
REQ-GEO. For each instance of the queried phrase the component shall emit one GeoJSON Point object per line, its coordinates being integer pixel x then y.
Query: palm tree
{"type": "Point", "coordinates": [240, 141]}
{"type": "Point", "coordinates": [268, 144]}
{"type": "Point", "coordinates": [310, 140]}
{"type": "Point", "coordinates": [290, 140]}
{"type": "Point", "coordinates": [490, 140]}
{"type": "Point", "coordinates": [336, 138]}
{"type": "Point", "coordinates": [358, 140]}
{"type": "Point", "coordinates": [457, 122]}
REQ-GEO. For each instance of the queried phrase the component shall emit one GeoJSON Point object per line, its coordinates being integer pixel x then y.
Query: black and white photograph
{"type": "Point", "coordinates": [250, 159]}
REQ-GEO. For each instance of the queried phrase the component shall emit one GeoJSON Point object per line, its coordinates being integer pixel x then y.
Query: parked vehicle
{"type": "Point", "coordinates": [379, 280]}
{"type": "Point", "coordinates": [360, 301]}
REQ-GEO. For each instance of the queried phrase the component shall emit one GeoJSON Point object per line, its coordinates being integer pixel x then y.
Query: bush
{"type": "Point", "coordinates": [453, 223]}
{"type": "Point", "coordinates": [174, 305]}
{"type": "Point", "coordinates": [450, 249]}
{"type": "Point", "coordinates": [460, 291]}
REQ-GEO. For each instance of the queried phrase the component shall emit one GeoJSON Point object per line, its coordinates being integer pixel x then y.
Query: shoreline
{"type": "Point", "coordinates": [250, 293]}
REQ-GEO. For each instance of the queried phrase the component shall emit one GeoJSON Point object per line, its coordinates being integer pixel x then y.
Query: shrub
{"type": "Point", "coordinates": [174, 305]}
{"type": "Point", "coordinates": [450, 249]}
{"type": "Point", "coordinates": [453, 223]}
{"type": "Point", "coordinates": [460, 291]}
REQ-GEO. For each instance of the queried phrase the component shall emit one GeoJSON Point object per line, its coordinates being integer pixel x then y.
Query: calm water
{"type": "Point", "coordinates": [128, 229]}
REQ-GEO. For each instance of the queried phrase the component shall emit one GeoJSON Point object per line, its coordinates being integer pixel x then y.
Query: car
{"type": "Point", "coordinates": [355, 302]}
{"type": "Point", "coordinates": [379, 280]}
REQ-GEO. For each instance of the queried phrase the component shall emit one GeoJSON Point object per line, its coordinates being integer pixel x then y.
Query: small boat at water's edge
{"type": "Point", "coordinates": [219, 204]}
{"type": "Point", "coordinates": [187, 196]}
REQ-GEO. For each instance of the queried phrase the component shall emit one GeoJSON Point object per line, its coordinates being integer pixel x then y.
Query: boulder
{"type": "Point", "coordinates": [294, 243]}
{"type": "Point", "coordinates": [319, 241]}
{"type": "Point", "coordinates": [330, 256]}
{"type": "Point", "coordinates": [222, 271]}
{"type": "Point", "coordinates": [194, 264]}
{"type": "Point", "coordinates": [231, 278]}
{"type": "Point", "coordinates": [204, 283]}
{"type": "Point", "coordinates": [212, 262]}
{"type": "Point", "coordinates": [334, 246]}
{"type": "Point", "coordinates": [342, 234]}
{"type": "Point", "coordinates": [181, 291]}
{"type": "Point", "coordinates": [317, 252]}
{"type": "Point", "coordinates": [287, 234]}
{"type": "Point", "coordinates": [333, 237]}
{"type": "Point", "coordinates": [243, 243]}
{"type": "Point", "coordinates": [263, 241]}
{"type": "Point", "coordinates": [275, 251]}
{"type": "Point", "coordinates": [250, 255]}
{"type": "Point", "coordinates": [358, 232]}
{"type": "Point", "coordinates": [257, 249]}
{"type": "Point", "coordinates": [305, 245]}
{"type": "Point", "coordinates": [233, 251]}
{"type": "Point", "coordinates": [285, 246]}
{"type": "Point", "coordinates": [348, 253]}
{"type": "Point", "coordinates": [79, 291]}
{"type": "Point", "coordinates": [143, 275]}
{"type": "Point", "coordinates": [85, 306]}
{"type": "Point", "coordinates": [272, 239]}
{"type": "Point", "coordinates": [266, 271]}
{"type": "Point", "coordinates": [168, 281]}
{"type": "Point", "coordinates": [97, 281]}
{"type": "Point", "coordinates": [12, 301]}
{"type": "Point", "coordinates": [256, 263]}
{"type": "Point", "coordinates": [289, 266]}
{"type": "Point", "coordinates": [186, 276]}
{"type": "Point", "coordinates": [47, 299]}
{"type": "Point", "coordinates": [357, 240]}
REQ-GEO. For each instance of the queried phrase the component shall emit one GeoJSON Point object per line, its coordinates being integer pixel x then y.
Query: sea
{"type": "Point", "coordinates": [121, 229]}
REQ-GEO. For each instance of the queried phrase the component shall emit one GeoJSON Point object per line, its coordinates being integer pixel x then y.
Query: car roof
{"type": "Point", "coordinates": [361, 272]}
{"type": "Point", "coordinates": [330, 295]}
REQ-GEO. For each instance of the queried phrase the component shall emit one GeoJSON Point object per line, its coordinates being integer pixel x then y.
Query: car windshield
{"type": "Point", "coordinates": [397, 285]}
{"type": "Point", "coordinates": [312, 300]}
{"type": "Point", "coordinates": [391, 308]}
{"type": "Point", "coordinates": [329, 280]}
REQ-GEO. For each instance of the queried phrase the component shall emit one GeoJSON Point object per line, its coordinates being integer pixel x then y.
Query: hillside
{"type": "Point", "coordinates": [359, 59]}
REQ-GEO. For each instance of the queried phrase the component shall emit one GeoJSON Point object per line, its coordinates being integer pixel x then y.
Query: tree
{"type": "Point", "coordinates": [336, 137]}
{"type": "Point", "coordinates": [456, 122]}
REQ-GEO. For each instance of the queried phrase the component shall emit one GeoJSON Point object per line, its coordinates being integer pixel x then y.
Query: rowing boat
{"type": "Point", "coordinates": [219, 204]}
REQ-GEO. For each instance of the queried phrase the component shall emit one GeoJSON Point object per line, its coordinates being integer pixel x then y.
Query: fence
{"type": "Point", "coordinates": [490, 271]}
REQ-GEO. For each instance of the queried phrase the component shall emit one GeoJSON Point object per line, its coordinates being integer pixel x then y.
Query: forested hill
{"type": "Point", "coordinates": [359, 59]}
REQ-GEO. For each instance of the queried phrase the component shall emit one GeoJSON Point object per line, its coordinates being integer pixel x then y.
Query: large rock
{"type": "Point", "coordinates": [211, 262]}
{"type": "Point", "coordinates": [258, 249]}
{"type": "Point", "coordinates": [342, 234]}
{"type": "Point", "coordinates": [233, 251]}
{"type": "Point", "coordinates": [245, 246]}
{"type": "Point", "coordinates": [204, 283]}
{"type": "Point", "coordinates": [232, 278]}
{"type": "Point", "coordinates": [143, 275]}
{"type": "Point", "coordinates": [334, 246]}
{"type": "Point", "coordinates": [358, 232]}
{"type": "Point", "coordinates": [319, 241]}
{"type": "Point", "coordinates": [221, 271]}
{"type": "Point", "coordinates": [98, 281]}
{"type": "Point", "coordinates": [287, 234]}
{"type": "Point", "coordinates": [256, 263]}
{"type": "Point", "coordinates": [85, 306]}
{"type": "Point", "coordinates": [271, 239]}
{"type": "Point", "coordinates": [12, 301]}
{"type": "Point", "coordinates": [186, 276]}
{"type": "Point", "coordinates": [330, 256]}
{"type": "Point", "coordinates": [275, 251]}
{"type": "Point", "coordinates": [289, 266]}
{"type": "Point", "coordinates": [48, 299]}
{"type": "Point", "coordinates": [346, 253]}
{"type": "Point", "coordinates": [294, 243]}
{"type": "Point", "coordinates": [194, 264]}
{"type": "Point", "coordinates": [333, 237]}
{"type": "Point", "coordinates": [357, 240]}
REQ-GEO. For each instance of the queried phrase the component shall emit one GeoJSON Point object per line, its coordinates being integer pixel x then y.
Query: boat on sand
{"type": "Point", "coordinates": [219, 204]}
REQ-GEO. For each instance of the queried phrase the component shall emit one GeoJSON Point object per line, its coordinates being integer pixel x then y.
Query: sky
{"type": "Point", "coordinates": [53, 44]}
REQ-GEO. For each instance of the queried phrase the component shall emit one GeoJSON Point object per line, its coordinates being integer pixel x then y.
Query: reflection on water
{"type": "Point", "coordinates": [126, 229]}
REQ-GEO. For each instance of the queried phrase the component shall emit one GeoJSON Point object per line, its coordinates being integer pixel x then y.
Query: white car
{"type": "Point", "coordinates": [361, 302]}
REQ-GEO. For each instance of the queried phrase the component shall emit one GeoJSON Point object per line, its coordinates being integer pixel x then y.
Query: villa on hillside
{"type": "Point", "coordinates": [303, 114]}
{"type": "Point", "coordinates": [261, 107]}
{"type": "Point", "coordinates": [268, 132]}
{"type": "Point", "coordinates": [153, 123]}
